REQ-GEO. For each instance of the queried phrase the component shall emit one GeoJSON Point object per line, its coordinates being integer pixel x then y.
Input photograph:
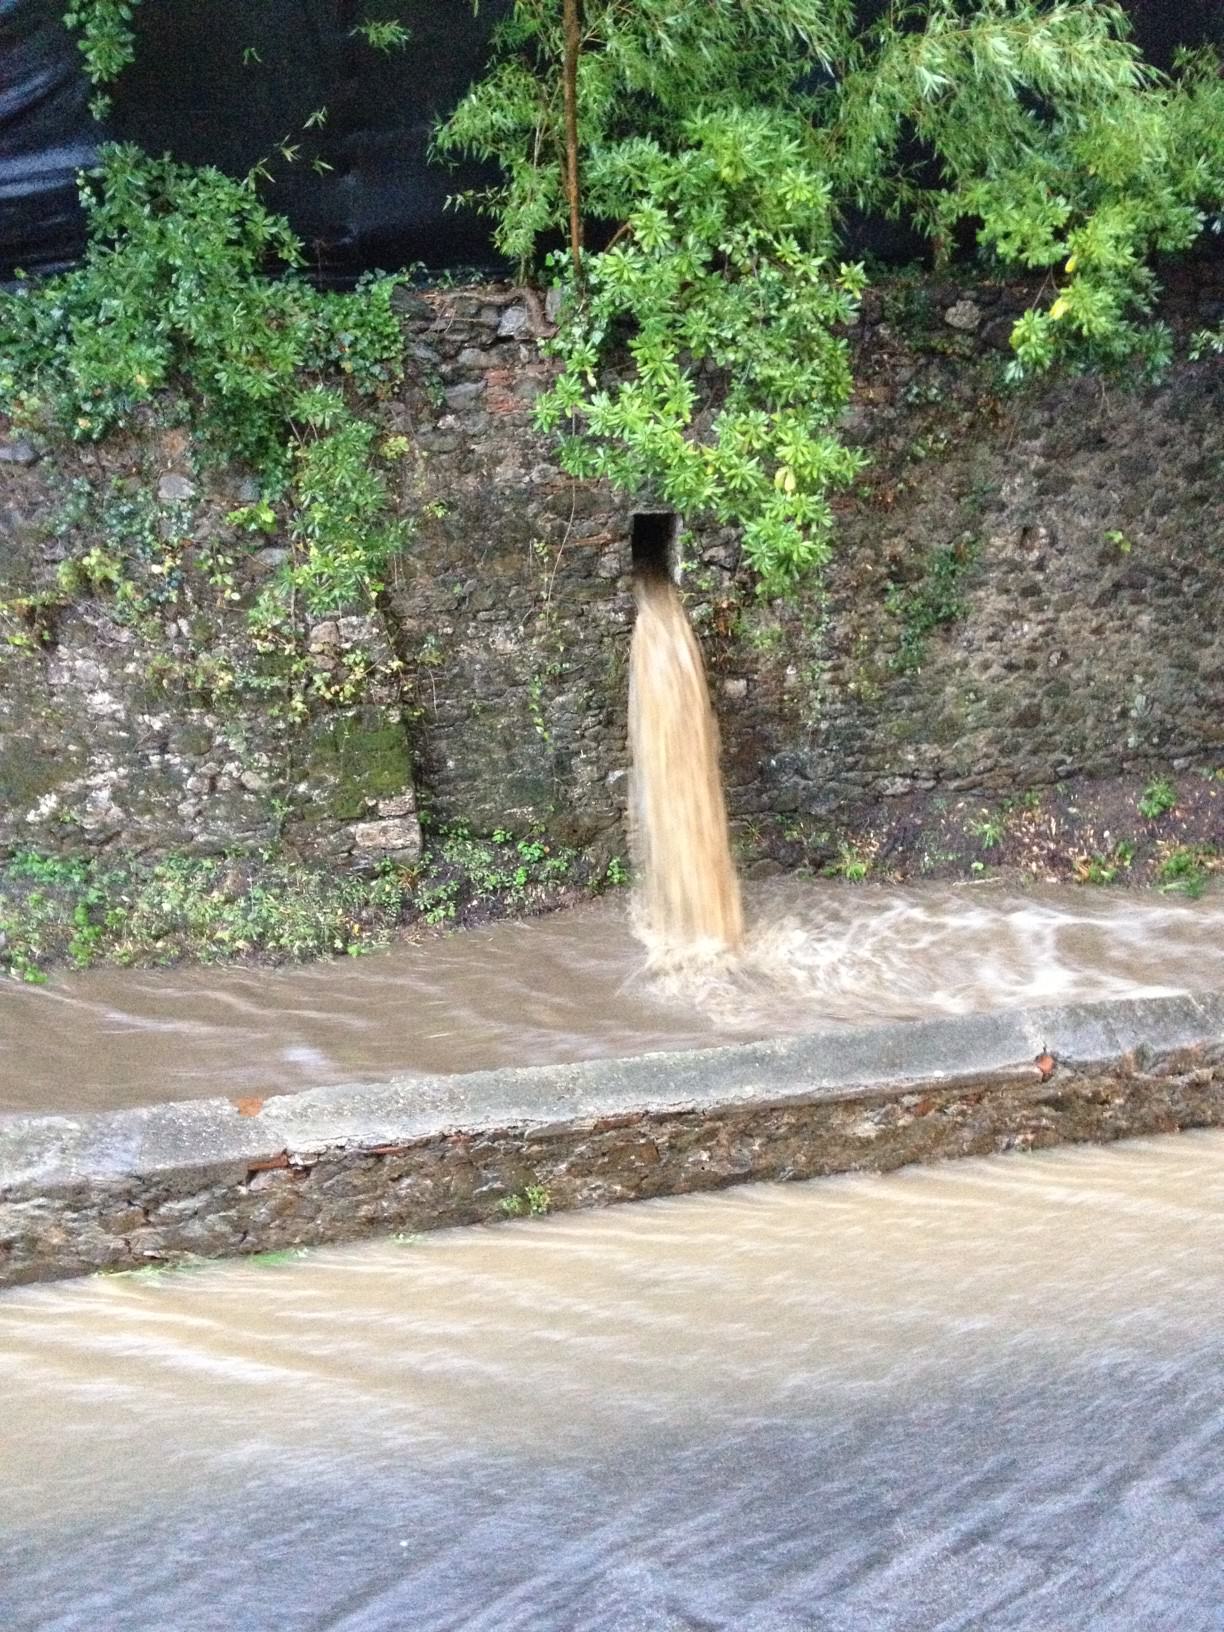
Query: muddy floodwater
{"type": "Point", "coordinates": [572, 986]}
{"type": "Point", "coordinates": [978, 1397]}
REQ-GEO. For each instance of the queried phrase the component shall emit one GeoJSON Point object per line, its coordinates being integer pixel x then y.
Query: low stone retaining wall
{"type": "Point", "coordinates": [218, 1177]}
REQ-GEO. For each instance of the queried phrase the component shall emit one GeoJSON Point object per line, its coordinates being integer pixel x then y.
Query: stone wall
{"type": "Point", "coordinates": [134, 709]}
{"type": "Point", "coordinates": [168, 1183]}
{"type": "Point", "coordinates": [1083, 526]}
{"type": "Point", "coordinates": [1028, 591]}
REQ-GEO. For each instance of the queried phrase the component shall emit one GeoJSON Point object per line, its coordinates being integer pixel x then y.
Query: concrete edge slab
{"type": "Point", "coordinates": [92, 1191]}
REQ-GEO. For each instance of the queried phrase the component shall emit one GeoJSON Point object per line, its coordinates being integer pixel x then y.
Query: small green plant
{"type": "Point", "coordinates": [851, 864]}
{"type": "Point", "coordinates": [1104, 868]}
{"type": "Point", "coordinates": [1207, 342]}
{"type": "Point", "coordinates": [1157, 799]}
{"type": "Point", "coordinates": [532, 1201]}
{"type": "Point", "coordinates": [385, 36]}
{"type": "Point", "coordinates": [1186, 868]}
{"type": "Point", "coordinates": [616, 873]}
{"type": "Point", "coordinates": [106, 40]}
{"type": "Point", "coordinates": [987, 829]}
{"type": "Point", "coordinates": [1120, 540]}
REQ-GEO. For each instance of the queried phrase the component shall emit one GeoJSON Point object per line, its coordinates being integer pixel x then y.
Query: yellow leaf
{"type": "Point", "coordinates": [1072, 263]}
{"type": "Point", "coordinates": [1060, 308]}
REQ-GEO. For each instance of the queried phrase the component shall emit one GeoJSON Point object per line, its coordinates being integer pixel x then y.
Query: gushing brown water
{"type": "Point", "coordinates": [818, 955]}
{"type": "Point", "coordinates": [688, 897]}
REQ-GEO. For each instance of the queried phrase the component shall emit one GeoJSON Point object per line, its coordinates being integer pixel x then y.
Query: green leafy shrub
{"type": "Point", "coordinates": [722, 288]}
{"type": "Point", "coordinates": [1159, 797]}
{"type": "Point", "coordinates": [722, 144]}
{"type": "Point", "coordinates": [175, 295]}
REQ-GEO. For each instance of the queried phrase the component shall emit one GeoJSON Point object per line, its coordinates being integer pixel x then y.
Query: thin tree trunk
{"type": "Point", "coordinates": [573, 46]}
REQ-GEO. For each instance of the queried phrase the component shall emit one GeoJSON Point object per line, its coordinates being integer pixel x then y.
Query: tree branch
{"type": "Point", "coordinates": [573, 47]}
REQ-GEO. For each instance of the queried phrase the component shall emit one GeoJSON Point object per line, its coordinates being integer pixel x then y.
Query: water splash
{"type": "Point", "coordinates": [687, 903]}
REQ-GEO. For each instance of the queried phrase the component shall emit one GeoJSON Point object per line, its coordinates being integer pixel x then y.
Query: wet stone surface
{"type": "Point", "coordinates": [1026, 594]}
{"type": "Point", "coordinates": [211, 1178]}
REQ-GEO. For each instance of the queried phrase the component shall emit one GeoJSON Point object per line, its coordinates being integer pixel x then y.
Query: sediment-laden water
{"type": "Point", "coordinates": [978, 1397]}
{"type": "Point", "coordinates": [572, 986]}
{"type": "Point", "coordinates": [688, 896]}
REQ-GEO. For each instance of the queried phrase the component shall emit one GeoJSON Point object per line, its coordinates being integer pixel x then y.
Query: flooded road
{"type": "Point", "coordinates": [978, 1397]}
{"type": "Point", "coordinates": [572, 986]}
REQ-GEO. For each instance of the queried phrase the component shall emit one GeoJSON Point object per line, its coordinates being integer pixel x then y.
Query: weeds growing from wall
{"type": "Point", "coordinates": [174, 296]}
{"type": "Point", "coordinates": [189, 309]}
{"type": "Point", "coordinates": [936, 599]}
{"type": "Point", "coordinates": [87, 910]}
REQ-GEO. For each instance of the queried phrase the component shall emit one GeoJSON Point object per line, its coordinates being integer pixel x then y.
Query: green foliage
{"type": "Point", "coordinates": [1054, 142]}
{"type": "Point", "coordinates": [988, 829]}
{"type": "Point", "coordinates": [385, 35]}
{"type": "Point", "coordinates": [106, 39]}
{"type": "Point", "coordinates": [532, 1201]}
{"type": "Point", "coordinates": [721, 286]}
{"type": "Point", "coordinates": [123, 910]}
{"type": "Point", "coordinates": [459, 870]}
{"type": "Point", "coordinates": [721, 283]}
{"type": "Point", "coordinates": [173, 295]}
{"type": "Point", "coordinates": [1186, 868]}
{"type": "Point", "coordinates": [1157, 798]}
{"type": "Point", "coordinates": [1207, 343]}
{"type": "Point", "coordinates": [702, 364]}
{"type": "Point", "coordinates": [1105, 867]}
{"type": "Point", "coordinates": [852, 864]}
{"type": "Point", "coordinates": [646, 66]}
{"type": "Point", "coordinates": [616, 874]}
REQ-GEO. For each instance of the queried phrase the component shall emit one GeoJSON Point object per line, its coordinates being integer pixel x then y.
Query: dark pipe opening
{"type": "Point", "coordinates": [654, 540]}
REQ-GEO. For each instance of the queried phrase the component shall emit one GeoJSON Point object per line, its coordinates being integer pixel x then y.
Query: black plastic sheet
{"type": "Point", "coordinates": [46, 137]}
{"type": "Point", "coordinates": [232, 83]}
{"type": "Point", "coordinates": [228, 82]}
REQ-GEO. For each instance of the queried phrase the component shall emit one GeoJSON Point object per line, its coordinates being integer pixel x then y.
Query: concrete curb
{"type": "Point", "coordinates": [215, 1177]}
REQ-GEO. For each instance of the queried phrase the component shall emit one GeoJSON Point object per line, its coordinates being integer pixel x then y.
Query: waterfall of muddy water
{"type": "Point", "coordinates": [818, 955]}
{"type": "Point", "coordinates": [688, 897]}
{"type": "Point", "coordinates": [978, 1397]}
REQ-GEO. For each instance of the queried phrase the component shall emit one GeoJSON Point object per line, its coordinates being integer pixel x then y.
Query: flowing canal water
{"type": "Point", "coordinates": [817, 955]}
{"type": "Point", "coordinates": [981, 1395]}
